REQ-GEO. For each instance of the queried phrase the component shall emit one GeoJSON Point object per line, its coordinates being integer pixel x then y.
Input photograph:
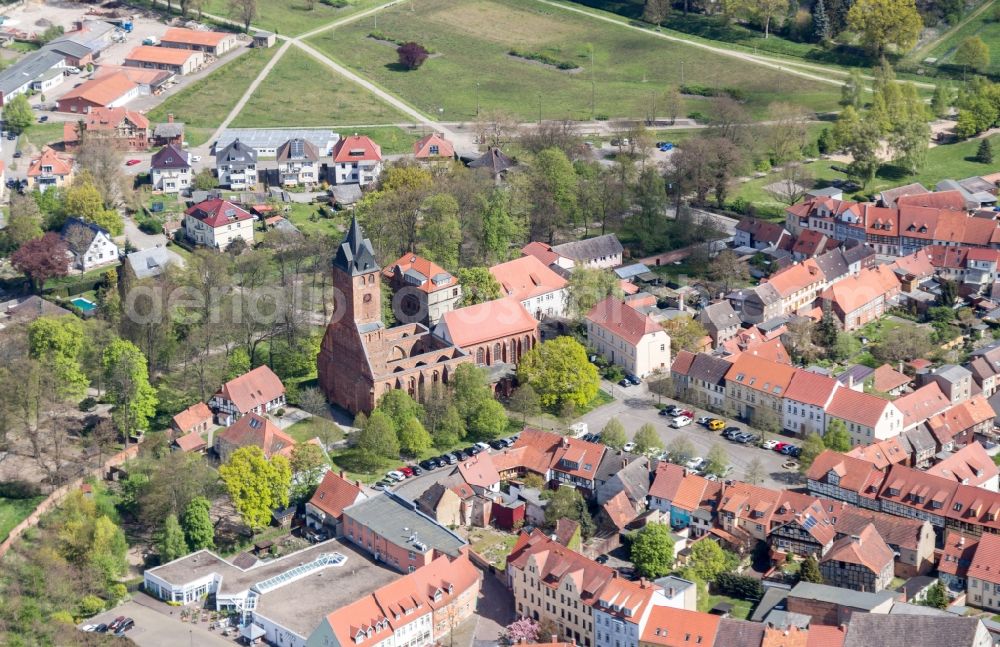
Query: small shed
{"type": "Point", "coordinates": [264, 39]}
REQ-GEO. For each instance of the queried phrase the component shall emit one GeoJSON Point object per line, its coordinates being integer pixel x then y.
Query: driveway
{"type": "Point", "coordinates": [494, 611]}
{"type": "Point", "coordinates": [155, 628]}
{"type": "Point", "coordinates": [634, 406]}
{"type": "Point", "coordinates": [139, 238]}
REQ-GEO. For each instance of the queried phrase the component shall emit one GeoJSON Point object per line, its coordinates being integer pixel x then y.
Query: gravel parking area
{"type": "Point", "coordinates": [156, 628]}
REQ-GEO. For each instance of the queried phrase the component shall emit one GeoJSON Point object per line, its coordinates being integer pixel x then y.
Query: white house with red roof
{"type": "Point", "coordinates": [356, 160]}
{"type": "Point", "coordinates": [867, 417]}
{"type": "Point", "coordinates": [541, 291]}
{"type": "Point", "coordinates": [326, 507]}
{"type": "Point", "coordinates": [49, 169]}
{"type": "Point", "coordinates": [433, 147]}
{"type": "Point", "coordinates": [217, 223]}
{"type": "Point", "coordinates": [624, 336]}
{"type": "Point", "coordinates": [260, 391]}
{"type": "Point", "coordinates": [984, 574]}
{"type": "Point", "coordinates": [806, 400]}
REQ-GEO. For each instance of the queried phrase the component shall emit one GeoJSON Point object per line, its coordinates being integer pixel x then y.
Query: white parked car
{"type": "Point", "coordinates": [695, 463]}
{"type": "Point", "coordinates": [680, 421]}
{"type": "Point", "coordinates": [482, 446]}
{"type": "Point", "coordinates": [769, 444]}
{"type": "Point", "coordinates": [89, 628]}
{"type": "Point", "coordinates": [629, 447]}
{"type": "Point", "coordinates": [395, 476]}
{"type": "Point", "coordinates": [196, 158]}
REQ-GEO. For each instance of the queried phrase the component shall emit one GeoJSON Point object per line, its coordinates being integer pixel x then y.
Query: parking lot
{"type": "Point", "coordinates": [154, 628]}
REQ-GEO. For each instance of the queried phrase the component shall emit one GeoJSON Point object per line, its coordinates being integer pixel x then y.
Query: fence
{"type": "Point", "coordinates": [60, 493]}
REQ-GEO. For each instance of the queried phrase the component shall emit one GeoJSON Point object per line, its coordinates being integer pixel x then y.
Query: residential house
{"type": "Point", "coordinates": [921, 445]}
{"type": "Point", "coordinates": [151, 262]}
{"type": "Point", "coordinates": [600, 252]}
{"type": "Point", "coordinates": [955, 381]}
{"type": "Point", "coordinates": [806, 399]}
{"type": "Point", "coordinates": [761, 234]}
{"type": "Point", "coordinates": [811, 243]}
{"type": "Point", "coordinates": [325, 510]}
{"type": "Point", "coordinates": [89, 245]}
{"type": "Point", "coordinates": [861, 562]}
{"type": "Point", "coordinates": [911, 540]}
{"type": "Point", "coordinates": [688, 498]}
{"type": "Point", "coordinates": [922, 405]}
{"type": "Point", "coordinates": [424, 291]}
{"type": "Point", "coordinates": [984, 574]}
{"type": "Point", "coordinates": [170, 169]}
{"type": "Point", "coordinates": [798, 285]}
{"type": "Point", "coordinates": [620, 471]}
{"type": "Point", "coordinates": [176, 61]}
{"type": "Point", "coordinates": [746, 510]}
{"type": "Point", "coordinates": [867, 417]}
{"type": "Point", "coordinates": [985, 368]}
{"type": "Point", "coordinates": [758, 304]}
{"type": "Point", "coordinates": [721, 322]}
{"type": "Point", "coordinates": [493, 332]}
{"type": "Point", "coordinates": [756, 387]}
{"type": "Point", "coordinates": [433, 148]}
{"type": "Point", "coordinates": [236, 166]}
{"type": "Point", "coordinates": [834, 606]}
{"type": "Point", "coordinates": [258, 391]}
{"type": "Point", "coordinates": [627, 337]}
{"type": "Point", "coordinates": [356, 160]}
{"type": "Point", "coordinates": [541, 291]}
{"type": "Point", "coordinates": [956, 557]}
{"type": "Point", "coordinates": [196, 419]}
{"type": "Point", "coordinates": [443, 504]}
{"type": "Point", "coordinates": [801, 525]}
{"type": "Point", "coordinates": [193, 443]}
{"type": "Point", "coordinates": [865, 629]}
{"type": "Point", "coordinates": [168, 132]}
{"type": "Point", "coordinates": [49, 169]}
{"type": "Point", "coordinates": [215, 43]}
{"type": "Point", "coordinates": [124, 129]}
{"type": "Point", "coordinates": [298, 163]}
{"type": "Point", "coordinates": [889, 381]}
{"type": "Point", "coordinates": [495, 162]}
{"type": "Point", "coordinates": [669, 627]}
{"type": "Point", "coordinates": [554, 458]}
{"type": "Point", "coordinates": [265, 141]}
{"type": "Point", "coordinates": [253, 430]}
{"type": "Point", "coordinates": [844, 478]}
{"type": "Point", "coordinates": [856, 301]}
{"type": "Point", "coordinates": [217, 223]}
{"type": "Point", "coordinates": [970, 465]}
{"type": "Point", "coordinates": [700, 379]}
{"type": "Point", "coordinates": [480, 473]}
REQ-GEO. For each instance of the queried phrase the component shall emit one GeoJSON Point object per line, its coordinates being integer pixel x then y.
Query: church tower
{"type": "Point", "coordinates": [356, 280]}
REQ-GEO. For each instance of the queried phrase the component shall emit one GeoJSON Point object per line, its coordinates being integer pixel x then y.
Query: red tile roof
{"type": "Point", "coordinates": [810, 243]}
{"type": "Point", "coordinates": [885, 379]}
{"type": "Point", "coordinates": [192, 416]}
{"type": "Point", "coordinates": [970, 465]}
{"type": "Point", "coordinates": [666, 481]}
{"type": "Point", "coordinates": [217, 212]}
{"type": "Point", "coordinates": [854, 475]}
{"type": "Point", "coordinates": [195, 37]}
{"type": "Point", "coordinates": [620, 510]}
{"type": "Point", "coordinates": [811, 388]}
{"type": "Point", "coordinates": [796, 277]}
{"type": "Point", "coordinates": [855, 292]}
{"type": "Point", "coordinates": [866, 549]}
{"type": "Point", "coordinates": [577, 457]}
{"type": "Point", "coordinates": [854, 406]}
{"type": "Point", "coordinates": [422, 147]}
{"type": "Point", "coordinates": [919, 264]}
{"type": "Point", "coordinates": [957, 554]}
{"type": "Point", "coordinates": [541, 251]}
{"type": "Point", "coordinates": [919, 490]}
{"type": "Point", "coordinates": [488, 321]}
{"type": "Point", "coordinates": [428, 269]}
{"type": "Point", "coordinates": [825, 636]}
{"type": "Point", "coordinates": [191, 442]}
{"type": "Point", "coordinates": [102, 90]}
{"type": "Point", "coordinates": [790, 636]}
{"type": "Point", "coordinates": [761, 375]}
{"type": "Point", "coordinates": [925, 402]}
{"type": "Point", "coordinates": [682, 362]}
{"type": "Point", "coordinates": [252, 429]}
{"type": "Point", "coordinates": [960, 417]}
{"type": "Point", "coordinates": [479, 471]}
{"type": "Point", "coordinates": [935, 200]}
{"type": "Point", "coordinates": [334, 494]}
{"type": "Point", "coordinates": [986, 562]}
{"type": "Point", "coordinates": [669, 627]}
{"type": "Point", "coordinates": [162, 55]}
{"type": "Point", "coordinates": [526, 277]}
{"type": "Point", "coordinates": [556, 562]}
{"type": "Point", "coordinates": [60, 165]}
{"type": "Point", "coordinates": [881, 453]}
{"type": "Point", "coordinates": [252, 389]}
{"type": "Point", "coordinates": [356, 148]}
{"type": "Point", "coordinates": [622, 320]}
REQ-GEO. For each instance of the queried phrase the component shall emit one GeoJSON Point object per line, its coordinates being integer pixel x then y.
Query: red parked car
{"type": "Point", "coordinates": [688, 414]}
{"type": "Point", "coordinates": [408, 471]}
{"type": "Point", "coordinates": [779, 447]}
{"type": "Point", "coordinates": [133, 162]}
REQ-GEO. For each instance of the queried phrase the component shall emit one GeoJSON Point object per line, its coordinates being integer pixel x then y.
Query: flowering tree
{"type": "Point", "coordinates": [42, 259]}
{"type": "Point", "coordinates": [522, 630]}
{"type": "Point", "coordinates": [412, 55]}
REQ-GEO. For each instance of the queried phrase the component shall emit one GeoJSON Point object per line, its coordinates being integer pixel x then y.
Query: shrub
{"type": "Point", "coordinates": [90, 605]}
{"type": "Point", "coordinates": [412, 55]}
{"type": "Point", "coordinates": [740, 586]}
{"type": "Point", "coordinates": [88, 404]}
{"type": "Point", "coordinates": [19, 490]}
{"type": "Point", "coordinates": [541, 57]}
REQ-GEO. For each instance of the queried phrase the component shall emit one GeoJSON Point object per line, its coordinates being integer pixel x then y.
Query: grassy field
{"type": "Point", "coordinates": [310, 428]}
{"type": "Point", "coordinates": [332, 99]}
{"type": "Point", "coordinates": [293, 17]}
{"type": "Point", "coordinates": [984, 27]}
{"type": "Point", "coordinates": [205, 103]}
{"type": "Point", "coordinates": [950, 161]}
{"type": "Point", "coordinates": [40, 134]}
{"type": "Point", "coordinates": [472, 40]}
{"type": "Point", "coordinates": [13, 511]}
{"type": "Point", "coordinates": [493, 545]}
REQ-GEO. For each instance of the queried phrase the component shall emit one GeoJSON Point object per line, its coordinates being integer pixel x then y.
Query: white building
{"type": "Point", "coordinates": [236, 165]}
{"type": "Point", "coordinates": [805, 402]}
{"type": "Point", "coordinates": [541, 291]}
{"type": "Point", "coordinates": [628, 338]}
{"type": "Point", "coordinates": [867, 417]}
{"type": "Point", "coordinates": [298, 163]}
{"type": "Point", "coordinates": [170, 169]}
{"type": "Point", "coordinates": [217, 223]}
{"type": "Point", "coordinates": [89, 246]}
{"type": "Point", "coordinates": [356, 160]}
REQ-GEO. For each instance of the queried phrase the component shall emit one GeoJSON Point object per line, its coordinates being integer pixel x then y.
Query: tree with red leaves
{"type": "Point", "coordinates": [522, 630]}
{"type": "Point", "coordinates": [42, 259]}
{"type": "Point", "coordinates": [412, 55]}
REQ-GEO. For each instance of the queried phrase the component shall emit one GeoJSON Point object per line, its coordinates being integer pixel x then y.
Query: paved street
{"type": "Point", "coordinates": [155, 628]}
{"type": "Point", "coordinates": [638, 407]}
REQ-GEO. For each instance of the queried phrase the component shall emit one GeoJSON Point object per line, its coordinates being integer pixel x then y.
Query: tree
{"type": "Point", "coordinates": [440, 230]}
{"type": "Point", "coordinates": [728, 269]}
{"type": "Point", "coordinates": [470, 389]}
{"type": "Point", "coordinates": [587, 286]}
{"type": "Point", "coordinates": [810, 571]}
{"type": "Point", "coordinates": [883, 23]}
{"type": "Point", "coordinates": [42, 259]}
{"type": "Point", "coordinates": [500, 228]}
{"type": "Point", "coordinates": [718, 460]}
{"type": "Point", "coordinates": [525, 401]}
{"type": "Point", "coordinates": [903, 343]}
{"type": "Point", "coordinates": [937, 596]}
{"type": "Point", "coordinates": [197, 524]}
{"type": "Point", "coordinates": [204, 180]}
{"type": "Point", "coordinates": [566, 502]}
{"type": "Point", "coordinates": [24, 223]}
{"type": "Point", "coordinates": [308, 463]}
{"type": "Point", "coordinates": [836, 437]}
{"type": "Point", "coordinates": [812, 447]}
{"type": "Point", "coordinates": [559, 372]}
{"type": "Point", "coordinates": [17, 114]}
{"type": "Point", "coordinates": [673, 104]}
{"type": "Point", "coordinates": [707, 560]}
{"type": "Point", "coordinates": [972, 53]}
{"type": "Point", "coordinates": [685, 333]}
{"type": "Point", "coordinates": [653, 550]}
{"type": "Point", "coordinates": [796, 179]}
{"type": "Point", "coordinates": [400, 407]}
{"type": "Point", "coordinates": [984, 154]}
{"type": "Point", "coordinates": [171, 543]}
{"type": "Point", "coordinates": [256, 485]}
{"type": "Point", "coordinates": [478, 286]}
{"type": "Point", "coordinates": [656, 11]}
{"type": "Point", "coordinates": [941, 100]}
{"type": "Point", "coordinates": [613, 434]}
{"type": "Point", "coordinates": [755, 473]}
{"type": "Point", "coordinates": [764, 11]}
{"type": "Point", "coordinates": [521, 631]}
{"type": "Point", "coordinates": [681, 450]}
{"type": "Point", "coordinates": [58, 342]}
{"type": "Point", "coordinates": [127, 380]}
{"type": "Point", "coordinates": [411, 55]}
{"type": "Point", "coordinates": [413, 438]}
{"type": "Point", "coordinates": [243, 10]}
{"type": "Point", "coordinates": [820, 23]}
{"type": "Point", "coordinates": [549, 189]}
{"type": "Point", "coordinates": [378, 436]}
{"type": "Point", "coordinates": [647, 439]}
{"type": "Point", "coordinates": [852, 92]}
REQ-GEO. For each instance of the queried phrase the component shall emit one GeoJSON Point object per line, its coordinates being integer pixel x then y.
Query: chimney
{"type": "Point", "coordinates": [850, 381]}
{"type": "Point", "coordinates": [961, 541]}
{"type": "Point", "coordinates": [342, 474]}
{"type": "Point", "coordinates": [555, 639]}
{"type": "Point", "coordinates": [170, 118]}
{"type": "Point", "coordinates": [670, 592]}
{"type": "Point", "coordinates": [357, 483]}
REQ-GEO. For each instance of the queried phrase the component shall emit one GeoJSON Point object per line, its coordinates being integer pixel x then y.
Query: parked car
{"type": "Point", "coordinates": [745, 438]}
{"type": "Point", "coordinates": [101, 628]}
{"type": "Point", "coordinates": [680, 421]}
{"type": "Point", "coordinates": [633, 379]}
{"type": "Point", "coordinates": [665, 146]}
{"type": "Point", "coordinates": [17, 154]}
{"type": "Point", "coordinates": [125, 626]}
{"type": "Point", "coordinates": [715, 424]}
{"type": "Point", "coordinates": [459, 455]}
{"type": "Point", "coordinates": [695, 463]}
{"type": "Point", "coordinates": [629, 447]}
{"type": "Point", "coordinates": [769, 444]}
{"type": "Point", "coordinates": [406, 470]}
{"type": "Point", "coordinates": [688, 413]}
{"type": "Point", "coordinates": [788, 449]}
{"type": "Point", "coordinates": [88, 628]}
{"type": "Point", "coordinates": [43, 119]}
{"type": "Point", "coordinates": [779, 446]}
{"type": "Point", "coordinates": [417, 471]}
{"type": "Point", "coordinates": [116, 623]}
{"type": "Point", "coordinates": [395, 476]}
{"type": "Point", "coordinates": [381, 485]}
{"type": "Point", "coordinates": [133, 162]}
{"type": "Point", "coordinates": [482, 446]}
{"type": "Point", "coordinates": [673, 411]}
{"type": "Point", "coordinates": [497, 444]}
{"type": "Point", "coordinates": [602, 559]}
{"type": "Point", "coordinates": [449, 458]}
{"type": "Point", "coordinates": [796, 452]}
{"type": "Point", "coordinates": [429, 464]}
{"type": "Point", "coordinates": [196, 158]}
{"type": "Point", "coordinates": [472, 451]}
{"type": "Point", "coordinates": [729, 431]}
{"type": "Point", "coordinates": [624, 382]}
{"type": "Point", "coordinates": [704, 420]}
{"type": "Point", "coordinates": [11, 136]}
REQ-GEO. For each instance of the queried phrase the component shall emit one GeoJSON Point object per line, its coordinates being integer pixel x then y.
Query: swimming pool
{"type": "Point", "coordinates": [84, 304]}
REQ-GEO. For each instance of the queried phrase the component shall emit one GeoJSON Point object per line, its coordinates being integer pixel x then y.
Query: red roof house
{"type": "Point", "coordinates": [259, 391]}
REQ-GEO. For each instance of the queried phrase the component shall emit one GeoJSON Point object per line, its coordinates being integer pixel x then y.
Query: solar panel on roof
{"type": "Point", "coordinates": [296, 148]}
{"type": "Point", "coordinates": [255, 423]}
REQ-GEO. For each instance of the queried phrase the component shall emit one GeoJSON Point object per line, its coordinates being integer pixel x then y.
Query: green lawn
{"type": "Point", "coordinates": [472, 40]}
{"type": "Point", "coordinates": [741, 608]}
{"type": "Point", "coordinates": [310, 428]}
{"type": "Point", "coordinates": [205, 103]}
{"type": "Point", "coordinates": [981, 26]}
{"type": "Point", "coordinates": [13, 511]}
{"type": "Point", "coordinates": [293, 17]}
{"type": "Point", "coordinates": [492, 545]}
{"type": "Point", "coordinates": [330, 99]}
{"type": "Point", "coordinates": [40, 134]}
{"type": "Point", "coordinates": [309, 221]}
